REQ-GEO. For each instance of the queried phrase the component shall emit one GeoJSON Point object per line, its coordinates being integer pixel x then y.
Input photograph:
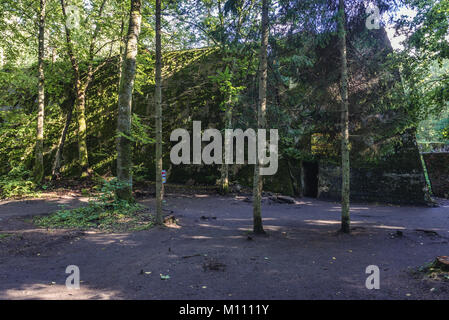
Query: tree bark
{"type": "Point", "coordinates": [82, 131]}
{"type": "Point", "coordinates": [261, 120]}
{"type": "Point", "coordinates": [345, 166]}
{"type": "Point", "coordinates": [225, 167]}
{"type": "Point", "coordinates": [124, 146]}
{"type": "Point", "coordinates": [39, 160]}
{"type": "Point", "coordinates": [81, 89]}
{"type": "Point", "coordinates": [158, 113]}
{"type": "Point", "coordinates": [79, 100]}
{"type": "Point", "coordinates": [55, 172]}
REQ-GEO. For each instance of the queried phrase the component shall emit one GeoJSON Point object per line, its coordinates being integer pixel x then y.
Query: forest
{"type": "Point", "coordinates": [263, 149]}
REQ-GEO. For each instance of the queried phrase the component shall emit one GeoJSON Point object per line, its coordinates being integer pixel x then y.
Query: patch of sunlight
{"type": "Point", "coordinates": [237, 219]}
{"type": "Point", "coordinates": [272, 228]}
{"type": "Point", "coordinates": [322, 222]}
{"type": "Point", "coordinates": [353, 209]}
{"type": "Point", "coordinates": [172, 225]}
{"type": "Point", "coordinates": [388, 227]}
{"type": "Point", "coordinates": [205, 225]}
{"type": "Point", "coordinates": [198, 237]}
{"type": "Point", "coordinates": [56, 292]}
{"type": "Point", "coordinates": [307, 203]}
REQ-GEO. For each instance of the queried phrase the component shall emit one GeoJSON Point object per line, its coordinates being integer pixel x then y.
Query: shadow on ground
{"type": "Point", "coordinates": [212, 255]}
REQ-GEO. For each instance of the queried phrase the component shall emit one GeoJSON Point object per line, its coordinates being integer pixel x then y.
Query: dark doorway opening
{"type": "Point", "coordinates": [310, 179]}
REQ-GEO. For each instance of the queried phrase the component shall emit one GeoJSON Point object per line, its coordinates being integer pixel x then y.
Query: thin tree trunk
{"type": "Point", "coordinates": [345, 168]}
{"type": "Point", "coordinates": [57, 162]}
{"type": "Point", "coordinates": [225, 167]}
{"type": "Point", "coordinates": [82, 132]}
{"type": "Point", "coordinates": [261, 121]}
{"type": "Point", "coordinates": [158, 104]}
{"type": "Point", "coordinates": [39, 160]}
{"type": "Point", "coordinates": [124, 150]}
{"type": "Point", "coordinates": [122, 28]}
{"type": "Point", "coordinates": [79, 101]}
{"type": "Point", "coordinates": [81, 89]}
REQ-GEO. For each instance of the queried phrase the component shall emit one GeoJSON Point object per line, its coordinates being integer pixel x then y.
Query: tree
{"type": "Point", "coordinates": [424, 60]}
{"type": "Point", "coordinates": [345, 168]}
{"type": "Point", "coordinates": [231, 26]}
{"type": "Point", "coordinates": [82, 84]}
{"type": "Point", "coordinates": [158, 104]}
{"type": "Point", "coordinates": [124, 145]}
{"type": "Point", "coordinates": [39, 160]}
{"type": "Point", "coordinates": [261, 118]}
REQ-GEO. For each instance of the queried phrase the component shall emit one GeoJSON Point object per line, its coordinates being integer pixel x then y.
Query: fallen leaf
{"type": "Point", "coordinates": [164, 277]}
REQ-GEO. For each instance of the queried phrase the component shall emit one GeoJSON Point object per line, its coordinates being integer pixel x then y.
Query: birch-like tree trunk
{"type": "Point", "coordinates": [224, 181]}
{"type": "Point", "coordinates": [124, 145]}
{"type": "Point", "coordinates": [261, 119]}
{"type": "Point", "coordinates": [55, 171]}
{"type": "Point", "coordinates": [158, 115]}
{"type": "Point", "coordinates": [39, 160]}
{"type": "Point", "coordinates": [345, 168]}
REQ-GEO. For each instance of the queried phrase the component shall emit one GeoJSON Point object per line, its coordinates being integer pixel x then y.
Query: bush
{"type": "Point", "coordinates": [105, 211]}
{"type": "Point", "coordinates": [17, 183]}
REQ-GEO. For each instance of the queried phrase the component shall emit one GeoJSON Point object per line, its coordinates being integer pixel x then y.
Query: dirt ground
{"type": "Point", "coordinates": [210, 255]}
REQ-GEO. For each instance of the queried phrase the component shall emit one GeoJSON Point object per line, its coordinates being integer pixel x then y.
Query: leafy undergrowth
{"type": "Point", "coordinates": [104, 212]}
{"type": "Point", "coordinates": [434, 271]}
{"type": "Point", "coordinates": [17, 183]}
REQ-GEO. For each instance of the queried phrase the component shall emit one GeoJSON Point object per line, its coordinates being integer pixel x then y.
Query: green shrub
{"type": "Point", "coordinates": [17, 183]}
{"type": "Point", "coordinates": [104, 211]}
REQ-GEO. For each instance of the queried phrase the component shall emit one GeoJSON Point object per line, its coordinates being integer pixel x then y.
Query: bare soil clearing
{"type": "Point", "coordinates": [210, 254]}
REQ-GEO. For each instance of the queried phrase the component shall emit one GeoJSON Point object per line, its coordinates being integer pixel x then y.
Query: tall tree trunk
{"type": "Point", "coordinates": [158, 104]}
{"type": "Point", "coordinates": [224, 183]}
{"type": "Point", "coordinates": [79, 100]}
{"type": "Point", "coordinates": [261, 119]}
{"type": "Point", "coordinates": [57, 162]}
{"type": "Point", "coordinates": [81, 89]}
{"type": "Point", "coordinates": [345, 168]}
{"type": "Point", "coordinates": [124, 150]}
{"type": "Point", "coordinates": [82, 131]}
{"type": "Point", "coordinates": [39, 160]}
{"type": "Point", "coordinates": [122, 28]}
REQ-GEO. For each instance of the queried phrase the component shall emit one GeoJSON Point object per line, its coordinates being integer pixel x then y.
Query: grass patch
{"type": "Point", "coordinates": [5, 235]}
{"type": "Point", "coordinates": [104, 212]}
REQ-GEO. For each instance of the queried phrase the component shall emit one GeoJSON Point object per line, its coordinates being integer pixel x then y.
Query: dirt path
{"type": "Point", "coordinates": [209, 256]}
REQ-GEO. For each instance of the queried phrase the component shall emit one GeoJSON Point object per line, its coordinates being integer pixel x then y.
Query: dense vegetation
{"type": "Point", "coordinates": [85, 74]}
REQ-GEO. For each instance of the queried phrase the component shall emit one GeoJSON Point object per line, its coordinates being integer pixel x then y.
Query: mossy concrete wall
{"type": "Point", "coordinates": [397, 178]}
{"type": "Point", "coordinates": [437, 165]}
{"type": "Point", "coordinates": [374, 185]}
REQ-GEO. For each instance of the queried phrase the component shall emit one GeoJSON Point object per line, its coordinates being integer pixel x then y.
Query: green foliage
{"type": "Point", "coordinates": [434, 271]}
{"type": "Point", "coordinates": [105, 211]}
{"type": "Point", "coordinates": [139, 132]}
{"type": "Point", "coordinates": [5, 235]}
{"type": "Point", "coordinates": [445, 133]}
{"type": "Point", "coordinates": [18, 182]}
{"type": "Point", "coordinates": [224, 80]}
